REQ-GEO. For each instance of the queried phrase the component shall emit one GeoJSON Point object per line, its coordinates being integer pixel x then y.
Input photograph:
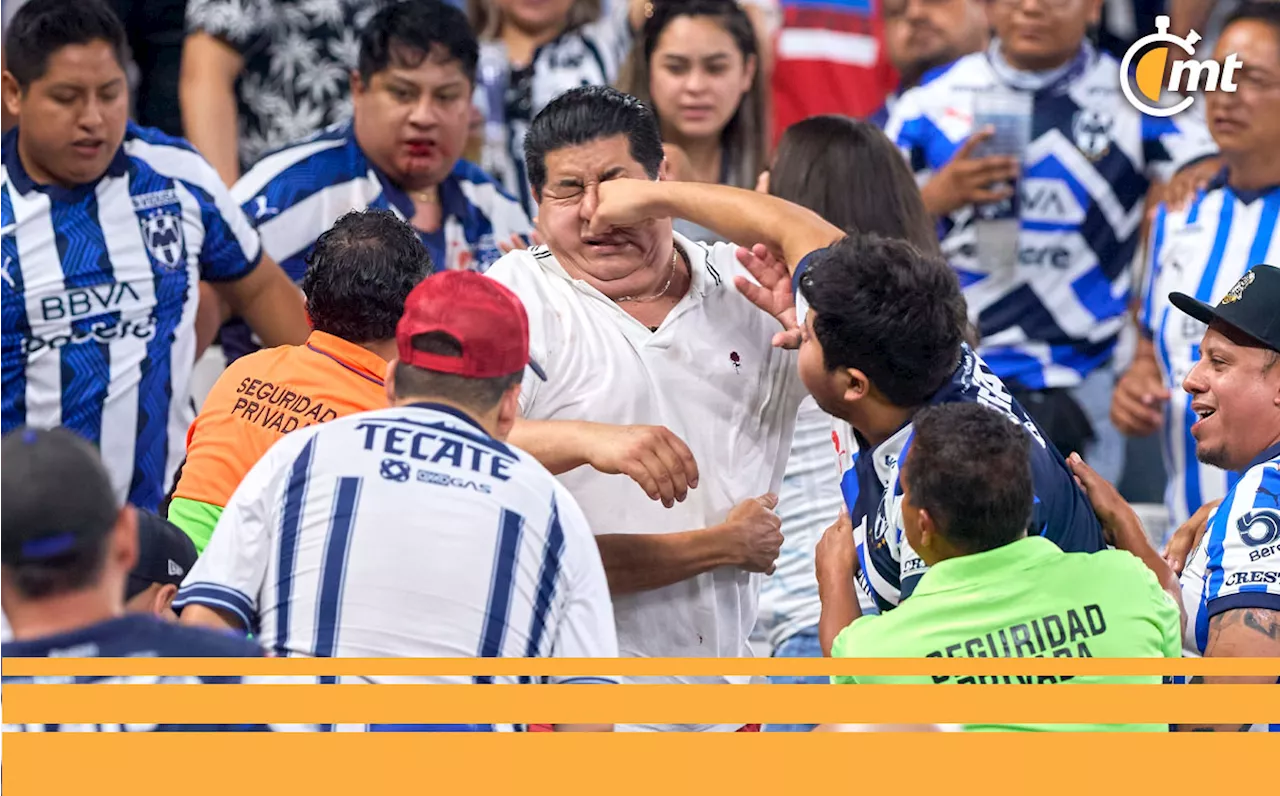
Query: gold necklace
{"type": "Point", "coordinates": [428, 197]}
{"type": "Point", "coordinates": [660, 293]}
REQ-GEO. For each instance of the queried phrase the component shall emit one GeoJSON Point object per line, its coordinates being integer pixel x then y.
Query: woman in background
{"type": "Point", "coordinates": [848, 172]}
{"type": "Point", "coordinates": [698, 63]}
{"type": "Point", "coordinates": [532, 51]}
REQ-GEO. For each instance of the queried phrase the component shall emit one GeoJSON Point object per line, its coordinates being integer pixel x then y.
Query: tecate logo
{"type": "Point", "coordinates": [1143, 84]}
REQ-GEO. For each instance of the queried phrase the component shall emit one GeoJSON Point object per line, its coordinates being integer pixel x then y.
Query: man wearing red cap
{"type": "Point", "coordinates": [414, 531]}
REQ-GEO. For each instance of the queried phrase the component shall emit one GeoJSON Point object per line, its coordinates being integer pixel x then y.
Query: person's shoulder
{"type": "Point", "coordinates": [174, 158]}
{"type": "Point", "coordinates": [467, 172]}
{"type": "Point", "coordinates": [524, 271]}
{"type": "Point", "coordinates": [198, 642]}
{"type": "Point", "coordinates": [1118, 570]}
{"type": "Point", "coordinates": [326, 158]}
{"type": "Point", "coordinates": [869, 635]}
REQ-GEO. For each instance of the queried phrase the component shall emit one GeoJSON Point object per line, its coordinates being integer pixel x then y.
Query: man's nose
{"type": "Point", "coordinates": [423, 113]}
{"type": "Point", "coordinates": [590, 201]}
{"type": "Point", "coordinates": [1194, 383]}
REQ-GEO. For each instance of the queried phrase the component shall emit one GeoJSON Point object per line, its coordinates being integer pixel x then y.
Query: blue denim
{"type": "Point", "coordinates": [804, 644]}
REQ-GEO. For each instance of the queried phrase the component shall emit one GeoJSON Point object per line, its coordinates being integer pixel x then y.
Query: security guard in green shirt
{"type": "Point", "coordinates": [993, 591]}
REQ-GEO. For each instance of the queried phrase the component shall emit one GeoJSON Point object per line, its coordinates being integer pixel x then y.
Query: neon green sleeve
{"type": "Point", "coordinates": [196, 519]}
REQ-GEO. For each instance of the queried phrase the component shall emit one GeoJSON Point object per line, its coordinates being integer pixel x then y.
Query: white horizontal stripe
{"type": "Point", "coordinates": [854, 49]}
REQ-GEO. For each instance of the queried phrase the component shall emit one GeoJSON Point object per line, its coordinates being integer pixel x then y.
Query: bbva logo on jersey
{"type": "Point", "coordinates": [162, 233]}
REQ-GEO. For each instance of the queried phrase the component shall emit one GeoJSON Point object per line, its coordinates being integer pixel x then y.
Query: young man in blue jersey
{"type": "Point", "coordinates": [68, 548]}
{"type": "Point", "coordinates": [411, 96]}
{"type": "Point", "coordinates": [1201, 249]}
{"type": "Point", "coordinates": [1049, 296]}
{"type": "Point", "coordinates": [1231, 585]}
{"type": "Point", "coordinates": [881, 338]}
{"type": "Point", "coordinates": [107, 229]}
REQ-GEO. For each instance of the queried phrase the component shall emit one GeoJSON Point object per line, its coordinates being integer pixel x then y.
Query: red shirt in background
{"type": "Point", "coordinates": [830, 58]}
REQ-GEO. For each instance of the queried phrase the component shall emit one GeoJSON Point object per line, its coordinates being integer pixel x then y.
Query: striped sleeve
{"type": "Point", "coordinates": [230, 573]}
{"type": "Point", "coordinates": [1244, 545]}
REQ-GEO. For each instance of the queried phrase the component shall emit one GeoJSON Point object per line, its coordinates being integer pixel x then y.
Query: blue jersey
{"type": "Point", "coordinates": [1237, 564]}
{"type": "Point", "coordinates": [1054, 316]}
{"type": "Point", "coordinates": [295, 194]}
{"type": "Point", "coordinates": [99, 300]}
{"type": "Point", "coordinates": [1201, 251]}
{"type": "Point", "coordinates": [872, 489]}
{"type": "Point", "coordinates": [131, 636]}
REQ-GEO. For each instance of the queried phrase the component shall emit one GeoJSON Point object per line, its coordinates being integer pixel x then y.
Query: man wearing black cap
{"type": "Point", "coordinates": [165, 556]}
{"type": "Point", "coordinates": [65, 556]}
{"type": "Point", "coordinates": [1231, 585]}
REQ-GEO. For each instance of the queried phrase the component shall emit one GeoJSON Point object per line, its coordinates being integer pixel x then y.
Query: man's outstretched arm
{"type": "Point", "coordinates": [744, 217]}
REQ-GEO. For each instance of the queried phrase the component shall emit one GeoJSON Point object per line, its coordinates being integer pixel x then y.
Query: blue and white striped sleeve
{"type": "Point", "coordinates": [925, 146]}
{"type": "Point", "coordinates": [230, 574]}
{"type": "Point", "coordinates": [1155, 244]}
{"type": "Point", "coordinates": [1244, 545]}
{"type": "Point", "coordinates": [587, 629]}
{"type": "Point", "coordinates": [1174, 142]}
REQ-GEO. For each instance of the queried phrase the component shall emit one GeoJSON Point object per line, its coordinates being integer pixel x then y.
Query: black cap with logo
{"type": "Point", "coordinates": [1251, 306]}
{"type": "Point", "coordinates": [165, 554]}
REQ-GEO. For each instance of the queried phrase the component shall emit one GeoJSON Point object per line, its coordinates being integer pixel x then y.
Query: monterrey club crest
{"type": "Point", "coordinates": [162, 232]}
{"type": "Point", "coordinates": [1091, 130]}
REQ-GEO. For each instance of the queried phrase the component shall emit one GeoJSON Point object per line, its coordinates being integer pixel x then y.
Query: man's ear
{"type": "Point", "coordinates": [124, 538]}
{"type": "Point", "coordinates": [664, 169]}
{"type": "Point", "coordinates": [508, 411]}
{"type": "Point", "coordinates": [389, 381]}
{"type": "Point", "coordinates": [928, 530]}
{"type": "Point", "coordinates": [358, 87]}
{"type": "Point", "coordinates": [162, 600]}
{"type": "Point", "coordinates": [856, 384]}
{"type": "Point", "coordinates": [11, 93]}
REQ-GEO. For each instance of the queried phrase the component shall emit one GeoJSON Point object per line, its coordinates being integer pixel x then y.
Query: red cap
{"type": "Point", "coordinates": [485, 317]}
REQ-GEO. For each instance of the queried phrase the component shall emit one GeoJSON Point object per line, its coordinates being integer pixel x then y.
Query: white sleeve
{"type": "Point", "coordinates": [586, 629]}
{"type": "Point", "coordinates": [229, 575]}
{"type": "Point", "coordinates": [1243, 545]}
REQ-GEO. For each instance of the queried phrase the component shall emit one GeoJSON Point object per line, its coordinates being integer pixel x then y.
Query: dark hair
{"type": "Point", "coordinates": [486, 18]}
{"type": "Point", "coordinates": [480, 395]}
{"type": "Point", "coordinates": [586, 114]}
{"type": "Point", "coordinates": [851, 174]}
{"type": "Point", "coordinates": [743, 138]}
{"type": "Point", "coordinates": [360, 273]}
{"type": "Point", "coordinates": [969, 467]}
{"type": "Point", "coordinates": [41, 28]}
{"type": "Point", "coordinates": [887, 309]}
{"type": "Point", "coordinates": [1256, 11]}
{"type": "Point", "coordinates": [409, 31]}
{"type": "Point", "coordinates": [54, 484]}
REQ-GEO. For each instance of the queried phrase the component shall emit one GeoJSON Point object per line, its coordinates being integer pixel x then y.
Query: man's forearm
{"type": "Point", "coordinates": [207, 100]}
{"type": "Point", "coordinates": [636, 562]}
{"type": "Point", "coordinates": [839, 610]}
{"type": "Point", "coordinates": [1133, 539]}
{"type": "Point", "coordinates": [551, 442]}
{"type": "Point", "coordinates": [747, 218]}
{"type": "Point", "coordinates": [270, 303]}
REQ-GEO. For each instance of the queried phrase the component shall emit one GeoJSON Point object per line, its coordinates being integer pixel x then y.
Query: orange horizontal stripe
{"type": "Point", "coordinates": [636, 667]}
{"type": "Point", "coordinates": [620, 764]}
{"type": "Point", "coordinates": [640, 704]}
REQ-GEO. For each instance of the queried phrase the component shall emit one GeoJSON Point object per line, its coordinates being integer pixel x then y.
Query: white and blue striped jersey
{"type": "Point", "coordinates": [295, 194]}
{"type": "Point", "coordinates": [99, 300]}
{"type": "Point", "coordinates": [1202, 251]}
{"type": "Point", "coordinates": [1237, 564]}
{"type": "Point", "coordinates": [1054, 317]}
{"type": "Point", "coordinates": [406, 532]}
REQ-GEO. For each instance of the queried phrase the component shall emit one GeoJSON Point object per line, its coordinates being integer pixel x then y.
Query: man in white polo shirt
{"type": "Point", "coordinates": [637, 328]}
